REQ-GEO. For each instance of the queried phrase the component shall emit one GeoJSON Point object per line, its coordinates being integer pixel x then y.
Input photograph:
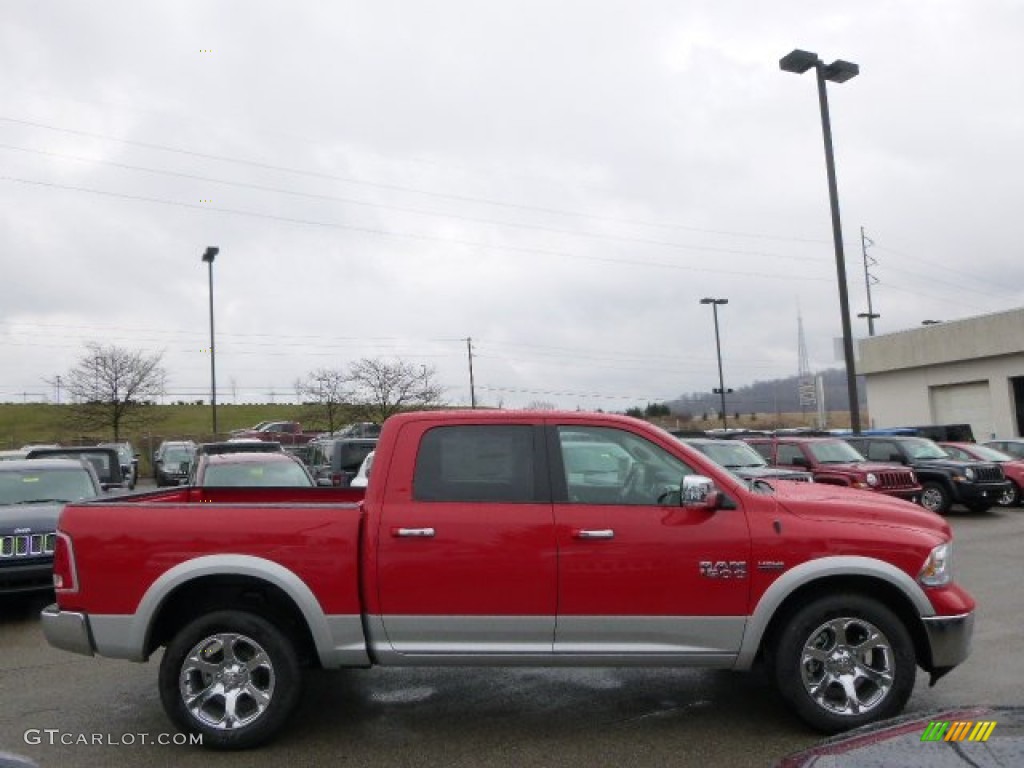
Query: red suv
{"type": "Point", "coordinates": [833, 461]}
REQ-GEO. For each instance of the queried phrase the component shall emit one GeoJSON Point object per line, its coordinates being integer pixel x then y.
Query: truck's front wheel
{"type": "Point", "coordinates": [231, 676]}
{"type": "Point", "coordinates": [843, 661]}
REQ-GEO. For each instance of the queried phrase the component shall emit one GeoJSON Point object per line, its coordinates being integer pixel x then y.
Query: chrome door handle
{"type": "Point", "coordinates": [413, 533]}
{"type": "Point", "coordinates": [603, 533]}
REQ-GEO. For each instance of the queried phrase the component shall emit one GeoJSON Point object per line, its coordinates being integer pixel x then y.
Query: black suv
{"type": "Point", "coordinates": [945, 481]}
{"type": "Point", "coordinates": [172, 462]}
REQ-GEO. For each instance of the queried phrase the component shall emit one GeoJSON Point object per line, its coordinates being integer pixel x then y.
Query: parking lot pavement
{"type": "Point", "coordinates": [479, 718]}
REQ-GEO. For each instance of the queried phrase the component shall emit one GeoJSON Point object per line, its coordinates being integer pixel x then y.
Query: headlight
{"type": "Point", "coordinates": [969, 473]}
{"type": "Point", "coordinates": [937, 569]}
{"type": "Point", "coordinates": [872, 479]}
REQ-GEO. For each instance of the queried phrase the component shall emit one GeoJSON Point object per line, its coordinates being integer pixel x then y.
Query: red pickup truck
{"type": "Point", "coordinates": [492, 538]}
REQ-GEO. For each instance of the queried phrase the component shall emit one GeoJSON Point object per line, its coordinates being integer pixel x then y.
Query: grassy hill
{"type": "Point", "coordinates": [45, 423]}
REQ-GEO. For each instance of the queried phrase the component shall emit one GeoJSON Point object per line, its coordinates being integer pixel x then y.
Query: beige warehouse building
{"type": "Point", "coordinates": [967, 371]}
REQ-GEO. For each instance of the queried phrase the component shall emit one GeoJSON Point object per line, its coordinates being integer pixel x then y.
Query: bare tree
{"type": "Point", "coordinates": [328, 395]}
{"type": "Point", "coordinates": [115, 388]}
{"type": "Point", "coordinates": [381, 388]}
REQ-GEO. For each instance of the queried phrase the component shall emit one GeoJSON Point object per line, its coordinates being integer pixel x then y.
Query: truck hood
{"type": "Point", "coordinates": [833, 502]}
{"type": "Point", "coordinates": [37, 518]}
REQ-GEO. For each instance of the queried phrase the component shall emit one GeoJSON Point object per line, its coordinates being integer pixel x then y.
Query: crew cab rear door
{"type": "Point", "coordinates": [639, 574]}
{"type": "Point", "coordinates": [466, 562]}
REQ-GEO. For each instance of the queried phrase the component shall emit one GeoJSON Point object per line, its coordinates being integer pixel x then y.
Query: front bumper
{"type": "Point", "coordinates": [949, 638]}
{"type": "Point", "coordinates": [34, 576]}
{"type": "Point", "coordinates": [907, 494]}
{"type": "Point", "coordinates": [980, 493]}
{"type": "Point", "coordinates": [67, 630]}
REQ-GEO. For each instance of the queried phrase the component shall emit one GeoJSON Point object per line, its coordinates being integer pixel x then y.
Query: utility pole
{"type": "Point", "coordinates": [58, 388]}
{"type": "Point", "coordinates": [869, 280]}
{"type": "Point", "coordinates": [472, 388]}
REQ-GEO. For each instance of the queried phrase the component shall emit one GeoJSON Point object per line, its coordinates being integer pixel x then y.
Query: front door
{"type": "Point", "coordinates": [639, 574]}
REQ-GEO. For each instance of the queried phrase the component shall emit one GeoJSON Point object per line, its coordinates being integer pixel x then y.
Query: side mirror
{"type": "Point", "coordinates": [697, 492]}
{"type": "Point", "coordinates": [896, 457]}
{"type": "Point", "coordinates": [801, 461]}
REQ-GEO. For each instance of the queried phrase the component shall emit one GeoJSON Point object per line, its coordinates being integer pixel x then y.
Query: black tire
{"type": "Point", "coordinates": [836, 628]}
{"type": "Point", "coordinates": [236, 649]}
{"type": "Point", "coordinates": [1010, 497]}
{"type": "Point", "coordinates": [936, 498]}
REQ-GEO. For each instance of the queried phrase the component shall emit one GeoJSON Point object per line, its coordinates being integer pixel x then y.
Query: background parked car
{"type": "Point", "coordinates": [172, 461]}
{"type": "Point", "coordinates": [105, 461]}
{"type": "Point", "coordinates": [129, 462]}
{"type": "Point", "coordinates": [32, 494]}
{"type": "Point", "coordinates": [742, 460]}
{"type": "Point", "coordinates": [1012, 468]}
{"type": "Point", "coordinates": [362, 477]}
{"type": "Point", "coordinates": [249, 469]}
{"type": "Point", "coordinates": [335, 461]}
{"type": "Point", "coordinates": [833, 462]}
{"type": "Point", "coordinates": [945, 481]}
{"type": "Point", "coordinates": [1013, 446]}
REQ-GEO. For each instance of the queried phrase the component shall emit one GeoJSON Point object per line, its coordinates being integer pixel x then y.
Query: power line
{"type": "Point", "coordinates": [421, 211]}
{"type": "Point", "coordinates": [399, 187]}
{"type": "Point", "coordinates": [416, 236]}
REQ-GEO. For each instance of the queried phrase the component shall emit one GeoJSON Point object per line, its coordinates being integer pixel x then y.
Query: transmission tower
{"type": "Point", "coordinates": [805, 379]}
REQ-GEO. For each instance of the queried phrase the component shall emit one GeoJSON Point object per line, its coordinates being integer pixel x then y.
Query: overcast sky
{"type": "Point", "coordinates": [560, 181]}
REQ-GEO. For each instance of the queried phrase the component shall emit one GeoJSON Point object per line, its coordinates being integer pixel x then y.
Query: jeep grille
{"type": "Point", "coordinates": [888, 481]}
{"type": "Point", "coordinates": [27, 545]}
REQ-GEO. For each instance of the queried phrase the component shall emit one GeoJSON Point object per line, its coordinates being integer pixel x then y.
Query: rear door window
{"type": "Point", "coordinates": [478, 463]}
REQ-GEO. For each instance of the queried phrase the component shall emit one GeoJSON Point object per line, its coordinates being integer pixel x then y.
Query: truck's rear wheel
{"type": "Point", "coordinates": [843, 661]}
{"type": "Point", "coordinates": [936, 498]}
{"type": "Point", "coordinates": [231, 676]}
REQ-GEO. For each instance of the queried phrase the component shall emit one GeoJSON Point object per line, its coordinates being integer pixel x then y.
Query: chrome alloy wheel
{"type": "Point", "coordinates": [847, 666]}
{"type": "Point", "coordinates": [932, 499]}
{"type": "Point", "coordinates": [226, 681]}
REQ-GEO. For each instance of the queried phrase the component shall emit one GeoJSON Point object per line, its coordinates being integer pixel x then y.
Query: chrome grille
{"type": "Point", "coordinates": [893, 480]}
{"type": "Point", "coordinates": [27, 545]}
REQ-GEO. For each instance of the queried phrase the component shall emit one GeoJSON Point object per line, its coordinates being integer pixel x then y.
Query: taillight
{"type": "Point", "coordinates": [65, 578]}
{"type": "Point", "coordinates": [336, 479]}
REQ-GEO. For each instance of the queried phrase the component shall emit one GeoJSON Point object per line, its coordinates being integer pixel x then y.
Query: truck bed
{"type": "Point", "coordinates": [127, 542]}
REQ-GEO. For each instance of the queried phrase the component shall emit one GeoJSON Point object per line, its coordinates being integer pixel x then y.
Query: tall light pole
{"type": "Point", "coordinates": [208, 257]}
{"type": "Point", "coordinates": [838, 71]}
{"type": "Point", "coordinates": [718, 351]}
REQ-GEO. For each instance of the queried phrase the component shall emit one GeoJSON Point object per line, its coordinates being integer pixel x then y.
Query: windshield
{"type": "Point", "coordinates": [731, 454]}
{"type": "Point", "coordinates": [277, 475]}
{"type": "Point", "coordinates": [835, 452]}
{"type": "Point", "coordinates": [176, 455]}
{"type": "Point", "coordinates": [922, 448]}
{"type": "Point", "coordinates": [36, 486]}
